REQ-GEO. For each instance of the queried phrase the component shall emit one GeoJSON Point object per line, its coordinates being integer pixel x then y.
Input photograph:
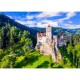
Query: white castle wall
{"type": "Point", "coordinates": [42, 40]}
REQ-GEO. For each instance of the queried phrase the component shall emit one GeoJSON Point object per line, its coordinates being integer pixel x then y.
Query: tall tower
{"type": "Point", "coordinates": [48, 33]}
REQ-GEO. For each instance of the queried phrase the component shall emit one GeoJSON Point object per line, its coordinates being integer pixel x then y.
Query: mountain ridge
{"type": "Point", "coordinates": [33, 30]}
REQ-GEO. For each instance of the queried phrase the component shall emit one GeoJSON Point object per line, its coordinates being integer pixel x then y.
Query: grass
{"type": "Point", "coordinates": [42, 62]}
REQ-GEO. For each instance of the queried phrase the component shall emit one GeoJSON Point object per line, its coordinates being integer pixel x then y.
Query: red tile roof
{"type": "Point", "coordinates": [41, 34]}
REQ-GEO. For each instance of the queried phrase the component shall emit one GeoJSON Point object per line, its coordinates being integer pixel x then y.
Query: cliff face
{"type": "Point", "coordinates": [50, 49]}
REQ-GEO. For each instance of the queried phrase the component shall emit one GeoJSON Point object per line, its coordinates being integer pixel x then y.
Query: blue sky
{"type": "Point", "coordinates": [69, 20]}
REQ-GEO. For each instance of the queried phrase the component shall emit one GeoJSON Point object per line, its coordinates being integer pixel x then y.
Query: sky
{"type": "Point", "coordinates": [69, 20]}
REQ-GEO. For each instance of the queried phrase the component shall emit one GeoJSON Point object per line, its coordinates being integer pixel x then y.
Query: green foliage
{"type": "Point", "coordinates": [71, 52]}
{"type": "Point", "coordinates": [16, 51]}
{"type": "Point", "coordinates": [69, 49]}
{"type": "Point", "coordinates": [13, 43]}
{"type": "Point", "coordinates": [7, 62]}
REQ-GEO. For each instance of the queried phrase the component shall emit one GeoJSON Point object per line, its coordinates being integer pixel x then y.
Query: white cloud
{"type": "Point", "coordinates": [77, 26]}
{"type": "Point", "coordinates": [47, 14]}
{"type": "Point", "coordinates": [71, 26]}
{"type": "Point", "coordinates": [70, 22]}
{"type": "Point", "coordinates": [41, 25]}
{"type": "Point", "coordinates": [31, 22]}
{"type": "Point", "coordinates": [26, 22]}
{"type": "Point", "coordinates": [50, 22]}
{"type": "Point", "coordinates": [29, 17]}
{"type": "Point", "coordinates": [22, 22]}
{"type": "Point", "coordinates": [32, 25]}
{"type": "Point", "coordinates": [43, 14]}
{"type": "Point", "coordinates": [68, 16]}
{"type": "Point", "coordinates": [21, 18]}
{"type": "Point", "coordinates": [10, 16]}
{"type": "Point", "coordinates": [45, 23]}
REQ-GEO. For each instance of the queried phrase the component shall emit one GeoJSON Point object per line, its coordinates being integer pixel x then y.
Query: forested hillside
{"type": "Point", "coordinates": [71, 52]}
{"type": "Point", "coordinates": [5, 19]}
{"type": "Point", "coordinates": [17, 50]}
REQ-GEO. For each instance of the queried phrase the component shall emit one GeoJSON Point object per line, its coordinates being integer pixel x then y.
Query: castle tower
{"type": "Point", "coordinates": [48, 33]}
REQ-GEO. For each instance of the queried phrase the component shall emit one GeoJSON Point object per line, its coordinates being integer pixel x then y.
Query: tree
{"type": "Point", "coordinates": [25, 33]}
{"type": "Point", "coordinates": [1, 39]}
{"type": "Point", "coordinates": [69, 49]}
{"type": "Point", "coordinates": [77, 48]}
{"type": "Point", "coordinates": [1, 54]}
{"type": "Point", "coordinates": [7, 62]}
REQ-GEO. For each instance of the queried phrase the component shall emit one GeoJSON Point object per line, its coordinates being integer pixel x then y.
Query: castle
{"type": "Point", "coordinates": [48, 44]}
